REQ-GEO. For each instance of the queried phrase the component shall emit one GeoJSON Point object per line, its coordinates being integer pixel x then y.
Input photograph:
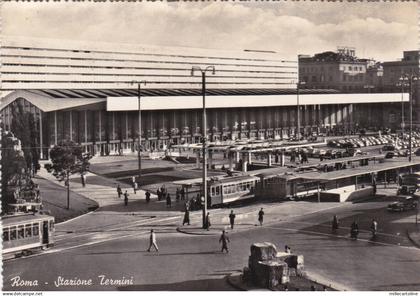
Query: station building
{"type": "Point", "coordinates": [84, 92]}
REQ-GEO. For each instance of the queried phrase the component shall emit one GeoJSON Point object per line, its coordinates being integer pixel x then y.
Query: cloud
{"type": "Point", "coordinates": [382, 30]}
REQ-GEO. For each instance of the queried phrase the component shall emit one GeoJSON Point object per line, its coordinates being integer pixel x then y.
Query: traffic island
{"type": "Point", "coordinates": [272, 270]}
{"type": "Point", "coordinates": [414, 237]}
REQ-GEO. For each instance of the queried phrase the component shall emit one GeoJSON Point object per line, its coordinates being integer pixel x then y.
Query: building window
{"type": "Point", "coordinates": [314, 78]}
{"type": "Point", "coordinates": [350, 68]}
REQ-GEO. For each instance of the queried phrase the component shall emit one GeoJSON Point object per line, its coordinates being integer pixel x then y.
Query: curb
{"type": "Point", "coordinates": [232, 284]}
{"type": "Point", "coordinates": [417, 244]}
{"type": "Point", "coordinates": [178, 229]}
{"type": "Point", "coordinates": [314, 279]}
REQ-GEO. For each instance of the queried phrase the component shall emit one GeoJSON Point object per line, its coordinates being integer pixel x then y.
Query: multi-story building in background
{"type": "Point", "coordinates": [394, 70]}
{"type": "Point", "coordinates": [340, 70]}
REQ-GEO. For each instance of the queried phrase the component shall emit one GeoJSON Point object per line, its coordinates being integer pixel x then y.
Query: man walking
{"type": "Point", "coordinates": [153, 241]}
{"type": "Point", "coordinates": [126, 198]}
{"type": "Point", "coordinates": [261, 216]}
{"type": "Point", "coordinates": [119, 191]}
{"type": "Point", "coordinates": [83, 177]}
{"type": "Point", "coordinates": [135, 187]}
{"type": "Point", "coordinates": [147, 196]}
{"type": "Point", "coordinates": [232, 217]}
{"type": "Point", "coordinates": [168, 200]}
{"type": "Point", "coordinates": [208, 224]}
{"type": "Point", "coordinates": [224, 240]}
{"type": "Point", "coordinates": [186, 217]}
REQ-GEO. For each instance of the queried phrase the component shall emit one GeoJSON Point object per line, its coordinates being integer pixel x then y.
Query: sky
{"type": "Point", "coordinates": [380, 30]}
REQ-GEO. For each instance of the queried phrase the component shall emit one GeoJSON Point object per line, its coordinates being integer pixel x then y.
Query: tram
{"type": "Point", "coordinates": [23, 233]}
{"type": "Point", "coordinates": [230, 189]}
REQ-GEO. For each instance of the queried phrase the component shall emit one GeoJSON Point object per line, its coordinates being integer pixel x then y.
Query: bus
{"type": "Point", "coordinates": [24, 233]}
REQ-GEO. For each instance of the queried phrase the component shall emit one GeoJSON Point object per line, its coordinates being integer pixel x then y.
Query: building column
{"type": "Point", "coordinates": [249, 157]}
{"type": "Point", "coordinates": [198, 159]}
{"type": "Point", "coordinates": [230, 156]}
{"type": "Point", "coordinates": [41, 143]}
{"type": "Point", "coordinates": [282, 159]}
{"type": "Point", "coordinates": [100, 125]}
{"type": "Point", "coordinates": [55, 128]}
{"type": "Point", "coordinates": [269, 162]}
{"type": "Point", "coordinates": [244, 163]}
{"type": "Point", "coordinates": [86, 137]}
{"type": "Point", "coordinates": [71, 126]}
{"type": "Point", "coordinates": [237, 156]}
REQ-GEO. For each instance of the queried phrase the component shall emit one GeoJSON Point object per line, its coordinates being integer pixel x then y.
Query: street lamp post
{"type": "Point", "coordinates": [139, 105]}
{"type": "Point", "coordinates": [204, 133]}
{"type": "Point", "coordinates": [298, 84]}
{"type": "Point", "coordinates": [402, 84]}
{"type": "Point", "coordinates": [410, 78]}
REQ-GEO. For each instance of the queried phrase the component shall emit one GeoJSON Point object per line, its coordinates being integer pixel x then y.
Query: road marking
{"type": "Point", "coordinates": [364, 231]}
{"type": "Point", "coordinates": [341, 236]}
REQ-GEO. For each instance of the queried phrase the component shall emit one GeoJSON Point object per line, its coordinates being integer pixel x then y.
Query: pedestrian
{"type": "Point", "coordinates": [153, 242]}
{"type": "Point", "coordinates": [83, 178]}
{"type": "Point", "coordinates": [119, 191]}
{"type": "Point", "coordinates": [159, 194]}
{"type": "Point", "coordinates": [232, 217]}
{"type": "Point", "coordinates": [133, 180]}
{"type": "Point", "coordinates": [178, 195]}
{"type": "Point", "coordinates": [335, 223]}
{"type": "Point", "coordinates": [168, 200]}
{"type": "Point", "coordinates": [287, 249]}
{"type": "Point", "coordinates": [135, 187]}
{"type": "Point", "coordinates": [261, 216]}
{"type": "Point", "coordinates": [374, 227]}
{"type": "Point", "coordinates": [37, 191]}
{"type": "Point", "coordinates": [354, 230]}
{"type": "Point", "coordinates": [186, 217]}
{"type": "Point", "coordinates": [224, 240]}
{"type": "Point", "coordinates": [126, 197]}
{"type": "Point", "coordinates": [147, 196]}
{"type": "Point", "coordinates": [313, 288]}
{"type": "Point", "coordinates": [208, 224]}
{"type": "Point", "coordinates": [182, 193]}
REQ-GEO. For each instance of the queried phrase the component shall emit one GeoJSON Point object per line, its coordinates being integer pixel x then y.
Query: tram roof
{"type": "Point", "coordinates": [10, 220]}
{"type": "Point", "coordinates": [220, 179]}
{"type": "Point", "coordinates": [388, 164]}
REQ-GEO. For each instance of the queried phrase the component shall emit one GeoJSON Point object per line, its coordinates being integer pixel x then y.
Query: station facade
{"type": "Point", "coordinates": [82, 91]}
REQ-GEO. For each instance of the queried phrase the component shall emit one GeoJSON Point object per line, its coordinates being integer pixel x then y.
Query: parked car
{"type": "Point", "coordinates": [409, 203]}
{"type": "Point", "coordinates": [390, 154]}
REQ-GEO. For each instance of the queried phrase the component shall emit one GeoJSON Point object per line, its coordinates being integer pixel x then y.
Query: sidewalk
{"type": "Point", "coordinates": [100, 189]}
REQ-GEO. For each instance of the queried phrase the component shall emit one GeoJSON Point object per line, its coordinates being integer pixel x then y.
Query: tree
{"type": "Point", "coordinates": [13, 168]}
{"type": "Point", "coordinates": [68, 158]}
{"type": "Point", "coordinates": [24, 128]}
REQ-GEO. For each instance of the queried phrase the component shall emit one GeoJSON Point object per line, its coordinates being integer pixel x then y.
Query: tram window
{"type": "Point", "coordinates": [217, 190]}
{"type": "Point", "coordinates": [21, 233]}
{"type": "Point", "coordinates": [13, 233]}
{"type": "Point", "coordinates": [6, 235]}
{"type": "Point", "coordinates": [51, 224]}
{"type": "Point", "coordinates": [36, 229]}
{"type": "Point", "coordinates": [28, 230]}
